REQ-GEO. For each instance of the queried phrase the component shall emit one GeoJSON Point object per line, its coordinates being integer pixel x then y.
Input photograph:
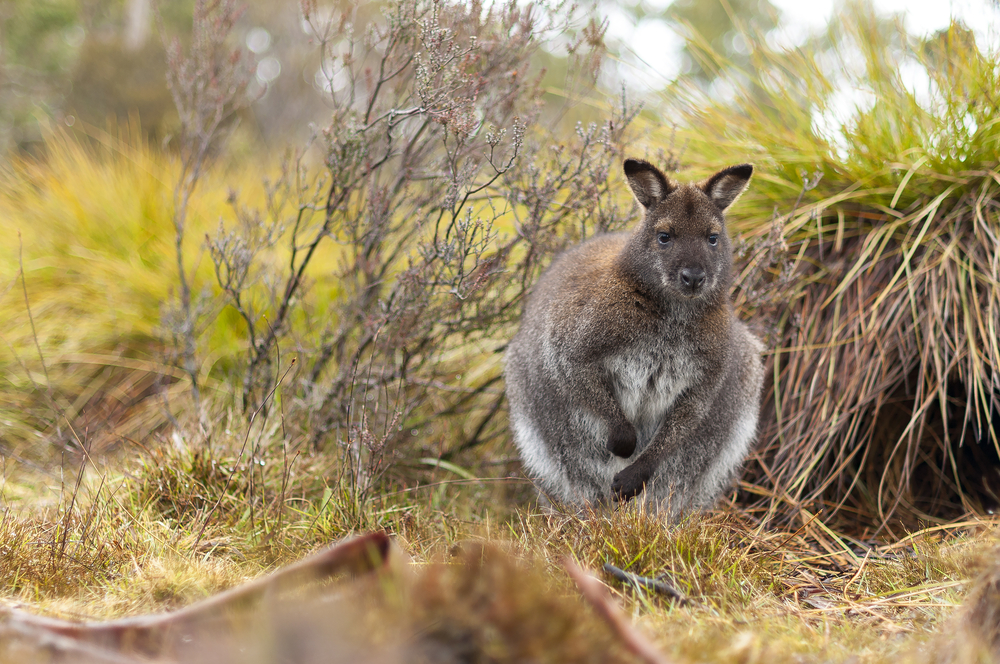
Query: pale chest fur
{"type": "Point", "coordinates": [647, 381]}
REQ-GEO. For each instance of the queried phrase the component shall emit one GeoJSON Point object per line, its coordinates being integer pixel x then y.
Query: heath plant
{"type": "Point", "coordinates": [412, 225]}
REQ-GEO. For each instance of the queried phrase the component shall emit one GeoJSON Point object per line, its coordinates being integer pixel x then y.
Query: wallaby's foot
{"type": "Point", "coordinates": [622, 440]}
{"type": "Point", "coordinates": [630, 482]}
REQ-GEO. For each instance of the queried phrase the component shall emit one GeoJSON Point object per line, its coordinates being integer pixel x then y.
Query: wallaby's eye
{"type": "Point", "coordinates": [664, 238]}
{"type": "Point", "coordinates": [713, 239]}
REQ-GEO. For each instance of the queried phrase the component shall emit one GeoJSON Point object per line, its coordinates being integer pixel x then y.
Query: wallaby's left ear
{"type": "Point", "coordinates": [649, 185]}
{"type": "Point", "coordinates": [726, 186]}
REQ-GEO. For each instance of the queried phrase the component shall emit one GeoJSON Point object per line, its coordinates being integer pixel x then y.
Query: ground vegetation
{"type": "Point", "coordinates": [347, 307]}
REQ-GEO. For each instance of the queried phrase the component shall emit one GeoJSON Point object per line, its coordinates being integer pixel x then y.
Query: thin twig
{"type": "Point", "coordinates": [597, 596]}
{"type": "Point", "coordinates": [636, 581]}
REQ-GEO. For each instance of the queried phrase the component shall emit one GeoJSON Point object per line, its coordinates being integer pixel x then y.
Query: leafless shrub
{"type": "Point", "coordinates": [404, 258]}
{"type": "Point", "coordinates": [767, 277]}
{"type": "Point", "coordinates": [208, 81]}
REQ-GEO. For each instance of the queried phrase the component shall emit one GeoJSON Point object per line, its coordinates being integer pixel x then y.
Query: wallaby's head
{"type": "Point", "coordinates": [682, 249]}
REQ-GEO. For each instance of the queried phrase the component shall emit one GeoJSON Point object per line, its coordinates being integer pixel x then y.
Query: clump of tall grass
{"type": "Point", "coordinates": [83, 276]}
{"type": "Point", "coordinates": [874, 261]}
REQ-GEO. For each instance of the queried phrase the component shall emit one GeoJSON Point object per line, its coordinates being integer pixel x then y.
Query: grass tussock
{"type": "Point", "coordinates": [978, 625]}
{"type": "Point", "coordinates": [707, 559]}
{"type": "Point", "coordinates": [83, 279]}
{"type": "Point", "coordinates": [872, 260]}
{"type": "Point", "coordinates": [60, 555]}
{"type": "Point", "coordinates": [484, 605]}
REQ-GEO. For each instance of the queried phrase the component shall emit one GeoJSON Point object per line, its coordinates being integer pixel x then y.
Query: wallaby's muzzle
{"type": "Point", "coordinates": [692, 279]}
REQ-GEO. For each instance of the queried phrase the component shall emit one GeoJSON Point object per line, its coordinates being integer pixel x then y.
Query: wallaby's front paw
{"type": "Point", "coordinates": [621, 440]}
{"type": "Point", "coordinates": [629, 483]}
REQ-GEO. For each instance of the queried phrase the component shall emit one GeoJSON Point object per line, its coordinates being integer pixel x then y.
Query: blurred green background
{"type": "Point", "coordinates": [91, 61]}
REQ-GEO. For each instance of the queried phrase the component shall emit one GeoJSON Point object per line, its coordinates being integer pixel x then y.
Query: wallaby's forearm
{"type": "Point", "coordinates": [594, 388]}
{"type": "Point", "coordinates": [678, 426]}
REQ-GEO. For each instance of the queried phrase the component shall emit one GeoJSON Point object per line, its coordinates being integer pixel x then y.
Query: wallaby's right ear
{"type": "Point", "coordinates": [726, 186]}
{"type": "Point", "coordinates": [649, 185]}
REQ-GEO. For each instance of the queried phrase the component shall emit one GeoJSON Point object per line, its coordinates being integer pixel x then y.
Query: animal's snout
{"type": "Point", "coordinates": [692, 278]}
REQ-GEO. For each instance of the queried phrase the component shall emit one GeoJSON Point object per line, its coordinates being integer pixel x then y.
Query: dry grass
{"type": "Point", "coordinates": [490, 581]}
{"type": "Point", "coordinates": [85, 272]}
{"type": "Point", "coordinates": [873, 261]}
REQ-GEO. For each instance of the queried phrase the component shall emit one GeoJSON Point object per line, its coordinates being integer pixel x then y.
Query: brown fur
{"type": "Point", "coordinates": [630, 370]}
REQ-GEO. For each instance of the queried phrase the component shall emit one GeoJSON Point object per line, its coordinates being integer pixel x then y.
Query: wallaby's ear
{"type": "Point", "coordinates": [726, 186]}
{"type": "Point", "coordinates": [649, 185]}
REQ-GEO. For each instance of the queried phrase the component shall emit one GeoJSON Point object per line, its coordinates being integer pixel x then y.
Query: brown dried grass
{"type": "Point", "coordinates": [873, 261]}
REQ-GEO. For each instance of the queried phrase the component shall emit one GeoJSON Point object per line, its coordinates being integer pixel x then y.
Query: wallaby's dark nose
{"type": "Point", "coordinates": [693, 278]}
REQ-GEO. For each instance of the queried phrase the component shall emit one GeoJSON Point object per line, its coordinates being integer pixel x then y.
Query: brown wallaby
{"type": "Point", "coordinates": [630, 371]}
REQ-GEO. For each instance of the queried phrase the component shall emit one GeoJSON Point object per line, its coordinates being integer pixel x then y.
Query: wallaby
{"type": "Point", "coordinates": [630, 372]}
